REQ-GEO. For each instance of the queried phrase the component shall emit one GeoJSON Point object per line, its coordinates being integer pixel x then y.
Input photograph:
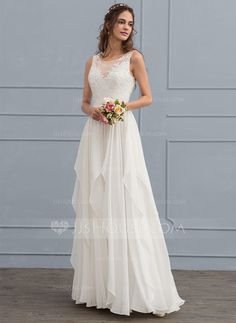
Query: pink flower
{"type": "Point", "coordinates": [109, 107]}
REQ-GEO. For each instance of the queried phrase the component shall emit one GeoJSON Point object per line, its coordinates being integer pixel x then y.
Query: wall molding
{"type": "Point", "coordinates": [36, 139]}
{"type": "Point", "coordinates": [168, 62]}
{"type": "Point", "coordinates": [69, 254]}
{"type": "Point", "coordinates": [199, 116]}
{"type": "Point", "coordinates": [41, 115]}
{"type": "Point", "coordinates": [167, 217]}
{"type": "Point", "coordinates": [33, 226]}
{"type": "Point", "coordinates": [40, 87]}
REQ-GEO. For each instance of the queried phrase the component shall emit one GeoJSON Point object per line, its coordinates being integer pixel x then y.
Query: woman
{"type": "Point", "coordinates": [119, 254]}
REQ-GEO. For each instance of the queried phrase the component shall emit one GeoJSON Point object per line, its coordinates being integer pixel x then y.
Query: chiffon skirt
{"type": "Point", "coordinates": [119, 254]}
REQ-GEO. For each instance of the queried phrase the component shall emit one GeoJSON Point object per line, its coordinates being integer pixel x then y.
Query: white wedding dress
{"type": "Point", "coordinates": [119, 254]}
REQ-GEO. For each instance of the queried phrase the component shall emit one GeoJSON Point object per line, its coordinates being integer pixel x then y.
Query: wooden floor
{"type": "Point", "coordinates": [36, 295]}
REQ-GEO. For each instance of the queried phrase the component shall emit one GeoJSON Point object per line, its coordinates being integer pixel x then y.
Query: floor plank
{"type": "Point", "coordinates": [36, 295]}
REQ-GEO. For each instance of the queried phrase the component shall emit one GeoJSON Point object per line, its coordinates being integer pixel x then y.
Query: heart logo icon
{"type": "Point", "coordinates": [59, 227]}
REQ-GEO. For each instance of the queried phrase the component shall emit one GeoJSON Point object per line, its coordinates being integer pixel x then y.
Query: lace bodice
{"type": "Point", "coordinates": [111, 79]}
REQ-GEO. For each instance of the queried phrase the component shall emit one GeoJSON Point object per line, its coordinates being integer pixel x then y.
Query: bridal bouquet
{"type": "Point", "coordinates": [112, 110]}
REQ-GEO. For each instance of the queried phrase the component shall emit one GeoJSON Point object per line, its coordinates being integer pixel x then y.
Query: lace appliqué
{"type": "Point", "coordinates": [105, 67]}
{"type": "Point", "coordinates": [111, 79]}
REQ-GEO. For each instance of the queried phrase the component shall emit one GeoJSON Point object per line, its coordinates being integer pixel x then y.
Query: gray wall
{"type": "Point", "coordinates": [188, 133]}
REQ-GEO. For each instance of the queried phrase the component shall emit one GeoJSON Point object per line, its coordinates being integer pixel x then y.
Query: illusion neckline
{"type": "Point", "coordinates": [115, 59]}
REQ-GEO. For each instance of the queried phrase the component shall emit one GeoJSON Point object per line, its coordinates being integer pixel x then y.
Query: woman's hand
{"type": "Point", "coordinates": [95, 113]}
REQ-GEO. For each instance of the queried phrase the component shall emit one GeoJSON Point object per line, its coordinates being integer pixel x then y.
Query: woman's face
{"type": "Point", "coordinates": [123, 25]}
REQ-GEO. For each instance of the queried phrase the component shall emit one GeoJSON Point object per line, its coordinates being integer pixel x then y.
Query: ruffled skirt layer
{"type": "Point", "coordinates": [119, 254]}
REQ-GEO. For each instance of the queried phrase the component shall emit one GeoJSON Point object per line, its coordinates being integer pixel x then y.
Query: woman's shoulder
{"type": "Point", "coordinates": [136, 57]}
{"type": "Point", "coordinates": [136, 54]}
{"type": "Point", "coordinates": [89, 60]}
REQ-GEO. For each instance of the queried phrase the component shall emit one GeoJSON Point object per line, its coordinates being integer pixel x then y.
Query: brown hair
{"type": "Point", "coordinates": [109, 20]}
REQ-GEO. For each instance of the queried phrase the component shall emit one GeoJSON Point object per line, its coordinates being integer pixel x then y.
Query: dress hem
{"type": "Point", "coordinates": [173, 308]}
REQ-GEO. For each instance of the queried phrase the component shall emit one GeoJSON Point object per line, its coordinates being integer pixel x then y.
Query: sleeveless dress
{"type": "Point", "coordinates": [119, 254]}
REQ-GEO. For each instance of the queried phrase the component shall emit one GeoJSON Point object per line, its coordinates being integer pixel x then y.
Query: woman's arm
{"type": "Point", "coordinates": [141, 76]}
{"type": "Point", "coordinates": [86, 107]}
